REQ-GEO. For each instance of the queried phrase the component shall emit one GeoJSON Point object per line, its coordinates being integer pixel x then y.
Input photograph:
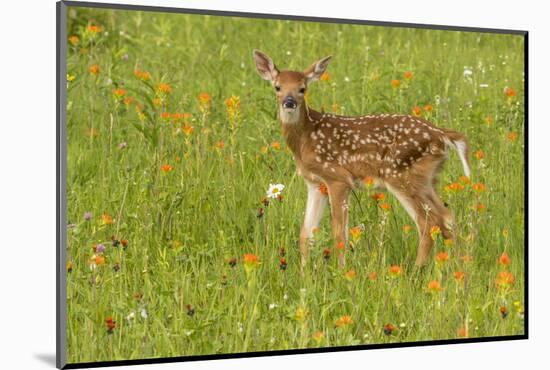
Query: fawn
{"type": "Point", "coordinates": [401, 153]}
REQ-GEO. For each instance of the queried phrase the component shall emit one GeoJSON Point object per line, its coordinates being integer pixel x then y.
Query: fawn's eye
{"type": "Point", "coordinates": [277, 88]}
{"type": "Point", "coordinates": [302, 90]}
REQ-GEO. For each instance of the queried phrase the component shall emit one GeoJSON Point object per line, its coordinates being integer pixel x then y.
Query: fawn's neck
{"type": "Point", "coordinates": [295, 126]}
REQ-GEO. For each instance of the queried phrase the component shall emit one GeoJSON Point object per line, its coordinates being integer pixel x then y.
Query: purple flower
{"type": "Point", "coordinates": [122, 145]}
{"type": "Point", "coordinates": [100, 248]}
{"type": "Point", "coordinates": [88, 216]}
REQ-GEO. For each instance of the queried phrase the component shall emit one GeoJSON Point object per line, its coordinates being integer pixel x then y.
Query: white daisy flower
{"type": "Point", "coordinates": [131, 316]}
{"type": "Point", "coordinates": [275, 190]}
{"type": "Point", "coordinates": [144, 313]}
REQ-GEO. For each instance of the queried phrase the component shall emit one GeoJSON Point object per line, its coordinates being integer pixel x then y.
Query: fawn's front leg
{"type": "Point", "coordinates": [338, 194]}
{"type": "Point", "coordinates": [316, 203]}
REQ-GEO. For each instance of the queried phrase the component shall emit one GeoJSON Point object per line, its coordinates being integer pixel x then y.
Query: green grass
{"type": "Point", "coordinates": [185, 225]}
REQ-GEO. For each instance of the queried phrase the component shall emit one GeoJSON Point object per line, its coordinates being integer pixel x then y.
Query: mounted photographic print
{"type": "Point", "coordinates": [235, 184]}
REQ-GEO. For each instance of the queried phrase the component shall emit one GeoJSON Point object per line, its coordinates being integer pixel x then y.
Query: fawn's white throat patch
{"type": "Point", "coordinates": [289, 116]}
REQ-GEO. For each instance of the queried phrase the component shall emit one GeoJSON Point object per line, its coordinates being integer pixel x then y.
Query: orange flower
{"type": "Point", "coordinates": [389, 329]}
{"type": "Point", "coordinates": [385, 206]}
{"type": "Point", "coordinates": [157, 101]}
{"type": "Point", "coordinates": [504, 259]}
{"type": "Point", "coordinates": [479, 187]}
{"type": "Point", "coordinates": [205, 98]}
{"type": "Point", "coordinates": [69, 266]}
{"type": "Point", "coordinates": [187, 129]}
{"type": "Point", "coordinates": [164, 88]}
{"type": "Point", "coordinates": [480, 207]}
{"type": "Point", "coordinates": [107, 219]}
{"type": "Point", "coordinates": [368, 181]}
{"type": "Point", "coordinates": [251, 260]}
{"type": "Point", "coordinates": [166, 168]}
{"type": "Point", "coordinates": [325, 76]}
{"type": "Point", "coordinates": [407, 229]}
{"type": "Point", "coordinates": [111, 325]}
{"type": "Point", "coordinates": [459, 276]}
{"type": "Point", "coordinates": [417, 111]}
{"type": "Point", "coordinates": [442, 257]}
{"type": "Point", "coordinates": [435, 231]}
{"type": "Point", "coordinates": [119, 92]}
{"type": "Point", "coordinates": [509, 92]}
{"type": "Point", "coordinates": [355, 232]}
{"type": "Point", "coordinates": [479, 154]}
{"type": "Point", "coordinates": [94, 69]}
{"type": "Point", "coordinates": [233, 103]}
{"type": "Point", "coordinates": [165, 115]}
{"type": "Point", "coordinates": [93, 28]}
{"type": "Point", "coordinates": [455, 186]}
{"type": "Point", "coordinates": [463, 332]}
{"type": "Point", "coordinates": [428, 107]}
{"type": "Point", "coordinates": [434, 286]}
{"type": "Point", "coordinates": [503, 311]}
{"type": "Point", "coordinates": [512, 136]}
{"type": "Point", "coordinates": [318, 336]}
{"type": "Point", "coordinates": [142, 75]}
{"type": "Point", "coordinates": [99, 260]}
{"type": "Point", "coordinates": [323, 188]}
{"type": "Point", "coordinates": [395, 270]}
{"type": "Point", "coordinates": [395, 83]}
{"type": "Point", "coordinates": [464, 179]}
{"type": "Point", "coordinates": [276, 145]}
{"type": "Point", "coordinates": [340, 246]}
{"type": "Point", "coordinates": [74, 40]}
{"type": "Point", "coordinates": [220, 144]}
{"type": "Point", "coordinates": [350, 275]}
{"type": "Point", "coordinates": [505, 279]}
{"type": "Point", "coordinates": [378, 196]}
{"type": "Point", "coordinates": [408, 75]}
{"type": "Point", "coordinates": [373, 276]}
{"type": "Point", "coordinates": [128, 100]}
{"type": "Point", "coordinates": [343, 321]}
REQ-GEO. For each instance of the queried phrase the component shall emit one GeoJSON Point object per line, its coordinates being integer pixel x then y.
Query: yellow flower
{"type": "Point", "coordinates": [350, 275]}
{"type": "Point", "coordinates": [435, 231]}
{"type": "Point", "coordinates": [301, 314]}
{"type": "Point", "coordinates": [356, 233]}
{"type": "Point", "coordinates": [74, 40]}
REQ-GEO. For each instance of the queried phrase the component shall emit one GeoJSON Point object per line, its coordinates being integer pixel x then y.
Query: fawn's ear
{"type": "Point", "coordinates": [314, 71]}
{"type": "Point", "coordinates": [265, 66]}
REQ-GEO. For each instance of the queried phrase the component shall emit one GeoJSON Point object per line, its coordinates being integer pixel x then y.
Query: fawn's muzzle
{"type": "Point", "coordinates": [289, 103]}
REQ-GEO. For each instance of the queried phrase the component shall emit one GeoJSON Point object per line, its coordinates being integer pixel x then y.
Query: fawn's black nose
{"type": "Point", "coordinates": [289, 102]}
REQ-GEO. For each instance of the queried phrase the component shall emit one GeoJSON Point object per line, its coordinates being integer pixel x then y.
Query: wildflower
{"type": "Point", "coordinates": [368, 181]}
{"type": "Point", "coordinates": [157, 101]}
{"type": "Point", "coordinates": [350, 275]}
{"type": "Point", "coordinates": [275, 190]}
{"type": "Point", "coordinates": [131, 316]}
{"type": "Point", "coordinates": [232, 262]}
{"type": "Point", "coordinates": [219, 144]}
{"type": "Point", "coordinates": [504, 259]}
{"type": "Point", "coordinates": [408, 75]}
{"type": "Point", "coordinates": [479, 154]}
{"type": "Point", "coordinates": [323, 188]}
{"type": "Point", "coordinates": [94, 69]}
{"type": "Point", "coordinates": [428, 107]}
{"type": "Point", "coordinates": [503, 312]}
{"type": "Point", "coordinates": [463, 332]}
{"type": "Point", "coordinates": [87, 216]}
{"type": "Point", "coordinates": [385, 206]}
{"type": "Point", "coordinates": [282, 263]}
{"type": "Point", "coordinates": [455, 186]}
{"type": "Point", "coordinates": [187, 129]}
{"type": "Point", "coordinates": [275, 145]}
{"type": "Point", "coordinates": [378, 196]}
{"type": "Point", "coordinates": [74, 40]}
{"type": "Point", "coordinates": [448, 242]}
{"type": "Point", "coordinates": [98, 260]}
{"type": "Point", "coordinates": [165, 115]}
{"type": "Point", "coordinates": [479, 187]}
{"type": "Point", "coordinates": [480, 207]}
{"type": "Point", "coordinates": [442, 257]}
{"type": "Point", "coordinates": [111, 325]}
{"type": "Point", "coordinates": [389, 329]}
{"type": "Point", "coordinates": [124, 243]}
{"type": "Point", "coordinates": [395, 270]}
{"type": "Point", "coordinates": [489, 120]}
{"type": "Point", "coordinates": [233, 103]}
{"type": "Point", "coordinates": [204, 99]}
{"type": "Point", "coordinates": [70, 77]}
{"type": "Point", "coordinates": [435, 231]}
{"type": "Point", "coordinates": [459, 276]}
{"type": "Point", "coordinates": [505, 232]}
{"type": "Point", "coordinates": [511, 136]}
{"type": "Point", "coordinates": [434, 286]}
{"type": "Point", "coordinates": [340, 246]}
{"type": "Point", "coordinates": [464, 179]}
{"type": "Point", "coordinates": [190, 309]}
{"type": "Point", "coordinates": [93, 28]}
{"type": "Point", "coordinates": [128, 100]}
{"type": "Point", "coordinates": [251, 260]}
{"type": "Point", "coordinates": [356, 232]}
{"type": "Point", "coordinates": [325, 76]}
{"type": "Point", "coordinates": [395, 83]}
{"type": "Point", "coordinates": [407, 229]}
{"type": "Point", "coordinates": [466, 258]}
{"type": "Point", "coordinates": [318, 337]}
{"type": "Point", "coordinates": [142, 75]}
{"type": "Point", "coordinates": [166, 168]}
{"type": "Point", "coordinates": [107, 219]}
{"type": "Point", "coordinates": [116, 267]}
{"type": "Point", "coordinates": [372, 276]}
{"type": "Point", "coordinates": [99, 248]}
{"type": "Point", "coordinates": [505, 279]}
{"type": "Point", "coordinates": [301, 314]}
{"type": "Point", "coordinates": [260, 212]}
{"type": "Point", "coordinates": [119, 92]}
{"type": "Point", "coordinates": [69, 266]}
{"type": "Point", "coordinates": [343, 321]}
{"type": "Point", "coordinates": [510, 92]}
{"type": "Point", "coordinates": [326, 254]}
{"type": "Point", "coordinates": [164, 88]}
{"type": "Point", "coordinates": [417, 111]}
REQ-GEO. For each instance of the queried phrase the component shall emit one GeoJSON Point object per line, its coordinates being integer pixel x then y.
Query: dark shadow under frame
{"type": "Point", "coordinates": [61, 176]}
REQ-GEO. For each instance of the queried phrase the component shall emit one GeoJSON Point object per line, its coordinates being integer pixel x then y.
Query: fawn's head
{"type": "Point", "coordinates": [290, 86]}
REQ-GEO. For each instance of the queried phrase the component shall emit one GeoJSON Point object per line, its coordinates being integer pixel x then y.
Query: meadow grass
{"type": "Point", "coordinates": [173, 140]}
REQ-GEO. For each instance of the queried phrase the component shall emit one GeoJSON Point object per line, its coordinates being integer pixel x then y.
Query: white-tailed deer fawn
{"type": "Point", "coordinates": [401, 153]}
